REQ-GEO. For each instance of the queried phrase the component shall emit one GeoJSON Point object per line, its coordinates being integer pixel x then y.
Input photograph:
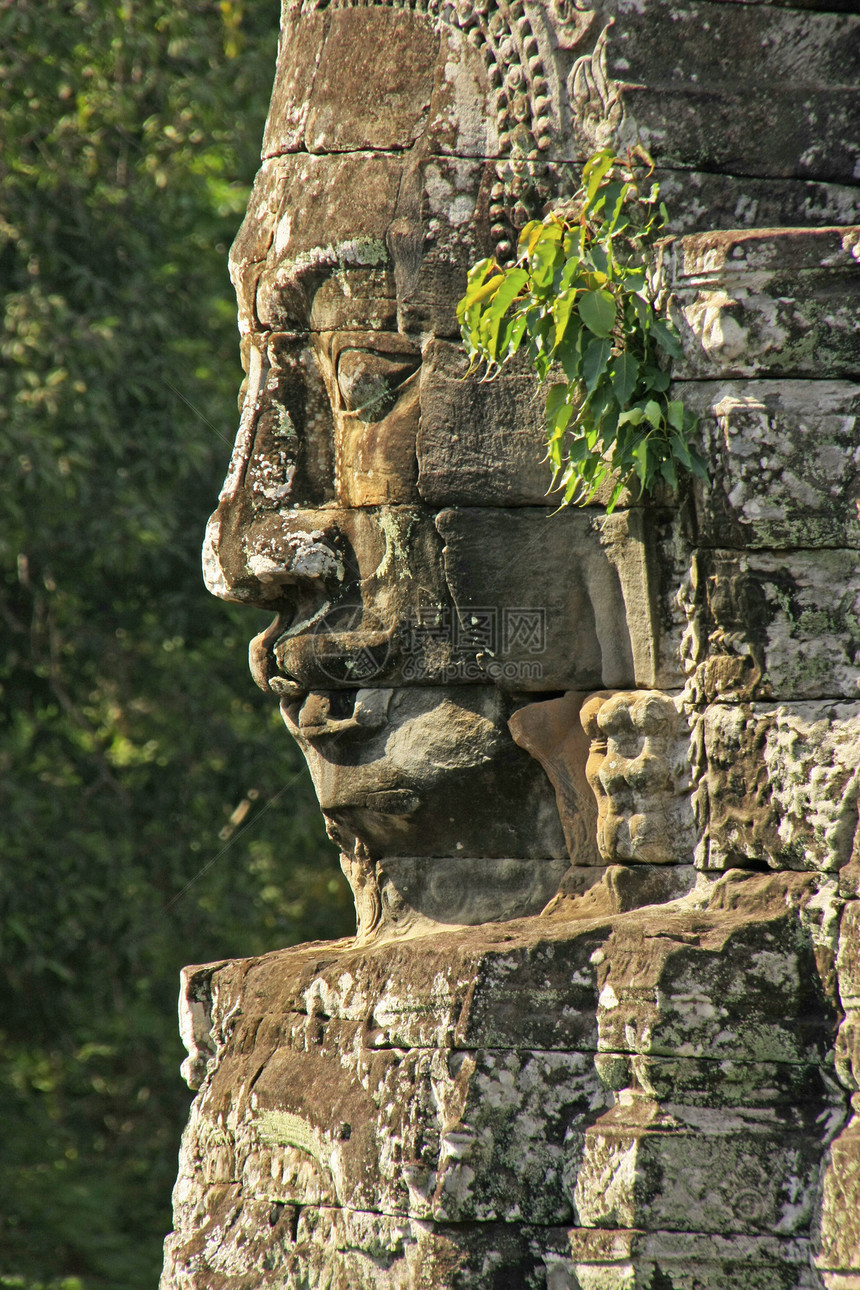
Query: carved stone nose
{"type": "Point", "coordinates": [257, 566]}
{"type": "Point", "coordinates": [307, 557]}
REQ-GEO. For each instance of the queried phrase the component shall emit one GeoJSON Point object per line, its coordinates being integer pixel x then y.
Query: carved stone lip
{"type": "Point", "coordinates": [313, 721]}
{"type": "Point", "coordinates": [286, 688]}
{"type": "Point", "coordinates": [264, 666]}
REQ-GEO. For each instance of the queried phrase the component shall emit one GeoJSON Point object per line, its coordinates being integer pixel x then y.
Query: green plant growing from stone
{"type": "Point", "coordinates": [577, 300]}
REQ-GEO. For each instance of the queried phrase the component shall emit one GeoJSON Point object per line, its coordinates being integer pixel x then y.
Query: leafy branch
{"type": "Point", "coordinates": [578, 300]}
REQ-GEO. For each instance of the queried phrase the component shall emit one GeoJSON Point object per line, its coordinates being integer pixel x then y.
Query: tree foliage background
{"type": "Point", "coordinates": [153, 811]}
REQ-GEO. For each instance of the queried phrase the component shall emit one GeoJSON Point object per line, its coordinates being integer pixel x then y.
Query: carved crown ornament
{"type": "Point", "coordinates": [549, 88]}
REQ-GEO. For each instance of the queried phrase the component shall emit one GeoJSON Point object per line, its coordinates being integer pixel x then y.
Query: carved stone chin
{"type": "Point", "coordinates": [594, 777]}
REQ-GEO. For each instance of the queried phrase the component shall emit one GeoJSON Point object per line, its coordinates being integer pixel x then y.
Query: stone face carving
{"type": "Point", "coordinates": [594, 778]}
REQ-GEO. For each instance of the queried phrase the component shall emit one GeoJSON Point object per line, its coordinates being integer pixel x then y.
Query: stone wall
{"type": "Point", "coordinates": [594, 777]}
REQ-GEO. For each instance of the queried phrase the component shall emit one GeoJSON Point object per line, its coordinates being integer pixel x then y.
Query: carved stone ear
{"type": "Point", "coordinates": [638, 769]}
{"type": "Point", "coordinates": [552, 732]}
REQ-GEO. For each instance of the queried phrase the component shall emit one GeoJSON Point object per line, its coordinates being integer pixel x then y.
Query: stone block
{"type": "Point", "coordinates": [329, 74]}
{"type": "Point", "coordinates": [777, 785]}
{"type": "Point", "coordinates": [684, 1083]}
{"type": "Point", "coordinates": [607, 1259]}
{"type": "Point", "coordinates": [784, 458]}
{"type": "Point", "coordinates": [461, 1136]}
{"type": "Point", "coordinates": [711, 1172]}
{"type": "Point", "coordinates": [347, 81]}
{"type": "Point", "coordinates": [369, 1103]}
{"type": "Point", "coordinates": [580, 576]}
{"type": "Point", "coordinates": [410, 231]}
{"type": "Point", "coordinates": [279, 239]}
{"type": "Point", "coordinates": [848, 963]}
{"type": "Point", "coordinates": [551, 731]}
{"type": "Point", "coordinates": [768, 302]}
{"type": "Point", "coordinates": [699, 201]}
{"type": "Point", "coordinates": [465, 891]}
{"type": "Point", "coordinates": [838, 1256]}
{"type": "Point", "coordinates": [725, 988]}
{"type": "Point", "coordinates": [638, 769]}
{"type": "Point", "coordinates": [352, 588]}
{"type": "Point", "coordinates": [482, 443]}
{"type": "Point", "coordinates": [717, 104]}
{"type": "Point", "coordinates": [773, 625]}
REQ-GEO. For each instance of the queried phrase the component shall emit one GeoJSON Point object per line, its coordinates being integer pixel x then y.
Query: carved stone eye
{"type": "Point", "coordinates": [370, 382]}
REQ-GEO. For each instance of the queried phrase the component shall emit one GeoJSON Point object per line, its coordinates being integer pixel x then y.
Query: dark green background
{"type": "Point", "coordinates": [131, 728]}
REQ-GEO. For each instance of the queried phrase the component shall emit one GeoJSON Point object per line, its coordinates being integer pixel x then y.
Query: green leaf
{"type": "Point", "coordinates": [555, 397]}
{"type": "Point", "coordinates": [666, 339]}
{"type": "Point", "coordinates": [644, 312]}
{"type": "Point", "coordinates": [561, 313]}
{"type": "Point", "coordinates": [480, 292]}
{"type": "Point", "coordinates": [594, 172]}
{"type": "Point", "coordinates": [597, 310]}
{"type": "Point", "coordinates": [559, 421]}
{"type": "Point", "coordinates": [594, 363]}
{"type": "Point", "coordinates": [568, 351]}
{"type": "Point", "coordinates": [624, 372]}
{"type": "Point", "coordinates": [667, 470]}
{"type": "Point", "coordinates": [654, 413]}
{"type": "Point", "coordinates": [699, 466]}
{"type": "Point", "coordinates": [640, 456]}
{"type": "Point", "coordinates": [510, 287]}
{"type": "Point", "coordinates": [529, 233]}
{"type": "Point", "coordinates": [583, 292]}
{"type": "Point", "coordinates": [578, 450]}
{"type": "Point", "coordinates": [613, 203]}
{"type": "Point", "coordinates": [656, 379]}
{"type": "Point", "coordinates": [681, 450]}
{"type": "Point", "coordinates": [600, 258]}
{"type": "Point", "coordinates": [518, 327]}
{"type": "Point", "coordinates": [675, 414]}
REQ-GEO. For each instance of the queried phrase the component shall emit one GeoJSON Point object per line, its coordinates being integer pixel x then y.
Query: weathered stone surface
{"type": "Point", "coordinates": [773, 624]}
{"type": "Point", "coordinates": [635, 1260]}
{"type": "Point", "coordinates": [587, 575]}
{"type": "Point", "coordinates": [427, 772]}
{"type": "Point", "coordinates": [361, 54]}
{"type": "Point", "coordinates": [638, 769]}
{"type": "Point", "coordinates": [634, 1152]}
{"type": "Point", "coordinates": [483, 444]}
{"type": "Point", "coordinates": [724, 992]}
{"type": "Point", "coordinates": [700, 201]}
{"type": "Point", "coordinates": [414, 1079]}
{"type": "Point", "coordinates": [769, 302]}
{"type": "Point", "coordinates": [534, 1065]}
{"type": "Point", "coordinates": [723, 103]}
{"type": "Point", "coordinates": [276, 257]}
{"type": "Point", "coordinates": [777, 785]}
{"type": "Point", "coordinates": [419, 894]}
{"type": "Point", "coordinates": [327, 1248]}
{"type": "Point", "coordinates": [374, 606]}
{"type": "Point", "coordinates": [416, 233]}
{"type": "Point", "coordinates": [785, 457]}
{"type": "Point", "coordinates": [589, 892]}
{"type": "Point", "coordinates": [839, 1253]}
{"type": "Point", "coordinates": [347, 81]}
{"type": "Point", "coordinates": [552, 732]}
